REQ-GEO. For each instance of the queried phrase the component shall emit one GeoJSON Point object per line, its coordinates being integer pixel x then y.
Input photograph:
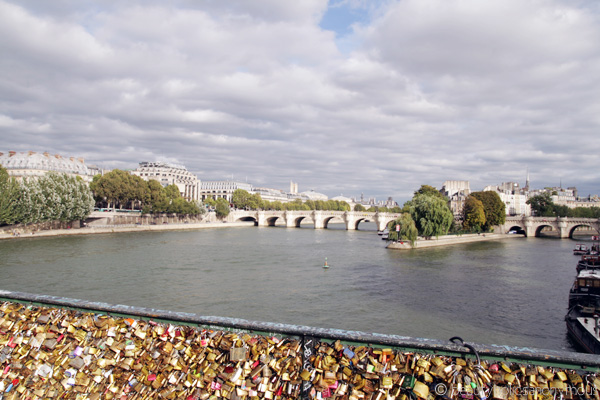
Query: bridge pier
{"type": "Point", "coordinates": [318, 218]}
{"type": "Point", "coordinates": [563, 229]}
{"type": "Point", "coordinates": [350, 220]}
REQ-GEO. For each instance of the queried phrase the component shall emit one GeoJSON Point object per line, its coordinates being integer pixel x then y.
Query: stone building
{"type": "Point", "coordinates": [32, 164]}
{"type": "Point", "coordinates": [456, 192]}
{"type": "Point", "coordinates": [221, 189]}
{"type": "Point", "coordinates": [170, 174]}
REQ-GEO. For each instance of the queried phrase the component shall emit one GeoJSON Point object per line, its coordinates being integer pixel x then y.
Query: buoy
{"type": "Point", "coordinates": [325, 265]}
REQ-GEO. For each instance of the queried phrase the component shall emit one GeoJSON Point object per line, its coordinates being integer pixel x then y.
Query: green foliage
{"type": "Point", "coordinates": [119, 188]}
{"type": "Point", "coordinates": [53, 197]}
{"type": "Point", "coordinates": [408, 229]}
{"type": "Point", "coordinates": [222, 207]}
{"type": "Point", "coordinates": [240, 198]}
{"type": "Point", "coordinates": [359, 207]}
{"type": "Point", "coordinates": [493, 208]}
{"type": "Point", "coordinates": [430, 191]}
{"type": "Point", "coordinates": [210, 202]}
{"type": "Point", "coordinates": [542, 205]}
{"type": "Point", "coordinates": [473, 214]}
{"type": "Point", "coordinates": [431, 215]}
{"type": "Point", "coordinates": [10, 199]}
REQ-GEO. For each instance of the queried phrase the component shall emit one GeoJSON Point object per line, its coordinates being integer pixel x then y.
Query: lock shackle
{"type": "Point", "coordinates": [453, 339]}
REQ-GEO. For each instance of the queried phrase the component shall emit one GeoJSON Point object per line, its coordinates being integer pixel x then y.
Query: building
{"type": "Point", "coordinates": [457, 193]}
{"type": "Point", "coordinates": [170, 174]}
{"type": "Point", "coordinates": [221, 189]}
{"type": "Point", "coordinates": [31, 164]}
{"type": "Point", "coordinates": [514, 198]}
{"type": "Point", "coordinates": [271, 194]}
{"type": "Point", "coordinates": [312, 195]}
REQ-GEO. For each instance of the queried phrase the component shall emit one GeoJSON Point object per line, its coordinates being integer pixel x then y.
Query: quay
{"type": "Point", "coordinates": [55, 347]}
{"type": "Point", "coordinates": [447, 240]}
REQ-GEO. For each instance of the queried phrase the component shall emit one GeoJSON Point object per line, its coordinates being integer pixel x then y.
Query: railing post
{"type": "Point", "coordinates": [308, 349]}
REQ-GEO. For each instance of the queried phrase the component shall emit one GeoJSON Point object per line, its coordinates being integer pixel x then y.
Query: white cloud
{"type": "Point", "coordinates": [423, 90]}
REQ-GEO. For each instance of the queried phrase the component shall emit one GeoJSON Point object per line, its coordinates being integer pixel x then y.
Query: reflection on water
{"type": "Point", "coordinates": [505, 292]}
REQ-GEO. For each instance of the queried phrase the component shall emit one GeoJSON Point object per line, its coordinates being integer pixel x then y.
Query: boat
{"type": "Point", "coordinates": [588, 262]}
{"type": "Point", "coordinates": [581, 249]}
{"type": "Point", "coordinates": [582, 319]}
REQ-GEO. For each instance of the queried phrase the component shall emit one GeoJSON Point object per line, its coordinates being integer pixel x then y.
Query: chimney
{"type": "Point", "coordinates": [1, 154]}
{"type": "Point", "coordinates": [57, 156]}
{"type": "Point", "coordinates": [11, 153]}
{"type": "Point", "coordinates": [80, 159]}
{"type": "Point", "coordinates": [72, 158]}
{"type": "Point", "coordinates": [46, 154]}
{"type": "Point", "coordinates": [31, 152]}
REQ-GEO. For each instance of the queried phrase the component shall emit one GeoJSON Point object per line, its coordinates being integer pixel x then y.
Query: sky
{"type": "Point", "coordinates": [342, 96]}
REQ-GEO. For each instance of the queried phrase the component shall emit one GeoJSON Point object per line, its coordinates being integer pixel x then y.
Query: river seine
{"type": "Point", "coordinates": [509, 292]}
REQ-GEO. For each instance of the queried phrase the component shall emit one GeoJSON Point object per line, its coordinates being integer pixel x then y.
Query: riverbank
{"type": "Point", "coordinates": [450, 240]}
{"type": "Point", "coordinates": [91, 230]}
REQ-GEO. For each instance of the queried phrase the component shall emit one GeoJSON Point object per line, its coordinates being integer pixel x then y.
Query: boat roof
{"type": "Point", "coordinates": [589, 274]}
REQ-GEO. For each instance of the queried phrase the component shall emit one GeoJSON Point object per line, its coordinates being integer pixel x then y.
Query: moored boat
{"type": "Point", "coordinates": [581, 249]}
{"type": "Point", "coordinates": [582, 319]}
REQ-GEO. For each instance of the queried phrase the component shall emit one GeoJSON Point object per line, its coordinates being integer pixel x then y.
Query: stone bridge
{"type": "Point", "coordinates": [533, 226]}
{"type": "Point", "coordinates": [320, 218]}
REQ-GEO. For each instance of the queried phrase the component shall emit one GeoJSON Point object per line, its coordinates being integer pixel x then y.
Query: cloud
{"type": "Point", "coordinates": [407, 93]}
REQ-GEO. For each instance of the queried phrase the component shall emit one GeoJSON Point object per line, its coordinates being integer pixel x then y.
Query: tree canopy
{"type": "Point", "coordinates": [52, 197]}
{"type": "Point", "coordinates": [473, 214]}
{"type": "Point", "coordinates": [493, 208]}
{"type": "Point", "coordinates": [431, 215]}
{"type": "Point", "coordinates": [408, 230]}
{"type": "Point", "coordinates": [542, 205]}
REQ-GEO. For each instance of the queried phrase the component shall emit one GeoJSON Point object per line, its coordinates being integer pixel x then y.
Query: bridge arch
{"type": "Point", "coordinates": [520, 230]}
{"type": "Point", "coordinates": [358, 221]}
{"type": "Point", "coordinates": [247, 219]}
{"type": "Point", "coordinates": [541, 227]}
{"type": "Point", "coordinates": [272, 220]}
{"type": "Point", "coordinates": [580, 225]}
{"type": "Point", "coordinates": [297, 222]}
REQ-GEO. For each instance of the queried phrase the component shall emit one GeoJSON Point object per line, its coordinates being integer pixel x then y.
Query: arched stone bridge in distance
{"type": "Point", "coordinates": [533, 226]}
{"type": "Point", "coordinates": [320, 218]}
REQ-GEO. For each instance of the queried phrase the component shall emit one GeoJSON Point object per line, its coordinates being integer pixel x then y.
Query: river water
{"type": "Point", "coordinates": [509, 292]}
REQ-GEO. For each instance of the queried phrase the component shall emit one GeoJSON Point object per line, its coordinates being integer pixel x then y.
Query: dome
{"type": "Point", "coordinates": [312, 195]}
{"type": "Point", "coordinates": [43, 162]}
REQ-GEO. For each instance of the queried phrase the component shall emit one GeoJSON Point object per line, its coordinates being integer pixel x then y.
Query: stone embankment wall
{"type": "Point", "coordinates": [119, 222]}
{"type": "Point", "coordinates": [50, 353]}
{"type": "Point", "coordinates": [448, 240]}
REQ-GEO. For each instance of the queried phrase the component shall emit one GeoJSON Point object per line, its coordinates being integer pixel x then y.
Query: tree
{"type": "Point", "coordinates": [359, 207]}
{"type": "Point", "coordinates": [430, 191]}
{"type": "Point", "coordinates": [408, 229]}
{"type": "Point", "coordinates": [222, 207]}
{"type": "Point", "coordinates": [210, 202]}
{"type": "Point", "coordinates": [240, 198]}
{"type": "Point", "coordinates": [431, 215]}
{"type": "Point", "coordinates": [473, 214]}
{"type": "Point", "coordinates": [10, 197]}
{"type": "Point", "coordinates": [493, 208]}
{"type": "Point", "coordinates": [542, 204]}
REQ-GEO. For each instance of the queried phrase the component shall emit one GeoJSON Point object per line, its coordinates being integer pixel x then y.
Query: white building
{"type": "Point", "coordinates": [221, 189]}
{"type": "Point", "coordinates": [456, 192]}
{"type": "Point", "coordinates": [170, 174]}
{"type": "Point", "coordinates": [515, 200]}
{"type": "Point", "coordinates": [312, 195]}
{"type": "Point", "coordinates": [31, 164]}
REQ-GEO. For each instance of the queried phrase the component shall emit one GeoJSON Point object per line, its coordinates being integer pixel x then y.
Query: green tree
{"type": "Point", "coordinates": [359, 207]}
{"type": "Point", "coordinates": [542, 205]}
{"type": "Point", "coordinates": [408, 229]}
{"type": "Point", "coordinates": [473, 214]}
{"type": "Point", "coordinates": [210, 202]}
{"type": "Point", "coordinates": [431, 215]}
{"type": "Point", "coordinates": [240, 198]}
{"type": "Point", "coordinates": [222, 207]}
{"type": "Point", "coordinates": [430, 191]}
{"type": "Point", "coordinates": [493, 208]}
{"type": "Point", "coordinates": [10, 197]}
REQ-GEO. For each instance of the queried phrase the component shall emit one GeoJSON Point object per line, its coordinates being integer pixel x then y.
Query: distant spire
{"type": "Point", "coordinates": [527, 181]}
